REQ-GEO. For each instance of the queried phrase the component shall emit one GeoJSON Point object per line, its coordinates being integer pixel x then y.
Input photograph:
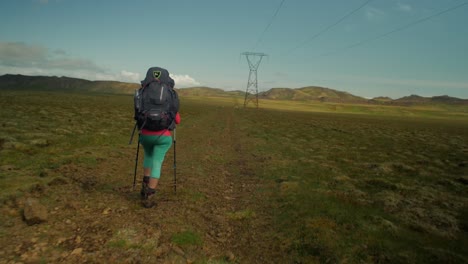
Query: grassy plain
{"type": "Point", "coordinates": [288, 183]}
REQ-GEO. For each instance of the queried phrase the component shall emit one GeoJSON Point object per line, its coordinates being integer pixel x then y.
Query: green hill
{"type": "Point", "coordinates": [443, 99]}
{"type": "Point", "coordinates": [46, 83]}
{"type": "Point", "coordinates": [202, 91]}
{"type": "Point", "coordinates": [382, 99]}
{"type": "Point", "coordinates": [413, 99]}
{"type": "Point", "coordinates": [310, 93]}
{"type": "Point", "coordinates": [278, 94]}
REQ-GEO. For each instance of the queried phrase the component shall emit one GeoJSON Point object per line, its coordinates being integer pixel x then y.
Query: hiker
{"type": "Point", "coordinates": [157, 113]}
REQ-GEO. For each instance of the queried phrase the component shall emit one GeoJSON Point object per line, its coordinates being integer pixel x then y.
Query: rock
{"type": "Point", "coordinates": [286, 187]}
{"type": "Point", "coordinates": [230, 256]}
{"type": "Point", "coordinates": [178, 250]}
{"type": "Point", "coordinates": [34, 212]}
{"type": "Point", "coordinates": [60, 241]}
{"type": "Point", "coordinates": [221, 240]}
{"type": "Point", "coordinates": [463, 180]}
{"type": "Point", "coordinates": [39, 142]}
{"type": "Point", "coordinates": [57, 181]}
{"type": "Point", "coordinates": [162, 250]}
{"type": "Point", "coordinates": [77, 251]}
{"type": "Point", "coordinates": [388, 225]}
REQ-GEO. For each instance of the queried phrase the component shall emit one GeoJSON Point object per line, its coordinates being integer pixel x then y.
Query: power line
{"type": "Point", "coordinates": [332, 25]}
{"type": "Point", "coordinates": [395, 30]}
{"type": "Point", "coordinates": [269, 24]}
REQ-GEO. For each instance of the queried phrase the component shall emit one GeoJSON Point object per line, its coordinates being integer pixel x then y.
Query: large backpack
{"type": "Point", "coordinates": [156, 102]}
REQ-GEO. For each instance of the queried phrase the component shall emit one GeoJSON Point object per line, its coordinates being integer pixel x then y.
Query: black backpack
{"type": "Point", "coordinates": [156, 102]}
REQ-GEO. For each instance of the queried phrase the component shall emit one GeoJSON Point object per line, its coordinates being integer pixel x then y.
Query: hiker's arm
{"type": "Point", "coordinates": [177, 118]}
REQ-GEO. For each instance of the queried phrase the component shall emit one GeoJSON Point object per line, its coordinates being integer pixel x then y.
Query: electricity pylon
{"type": "Point", "coordinates": [253, 59]}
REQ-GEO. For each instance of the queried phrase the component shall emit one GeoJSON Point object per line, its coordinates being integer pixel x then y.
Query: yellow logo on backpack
{"type": "Point", "coordinates": [156, 74]}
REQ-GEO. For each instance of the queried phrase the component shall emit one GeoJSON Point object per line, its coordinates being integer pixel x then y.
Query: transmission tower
{"type": "Point", "coordinates": [253, 59]}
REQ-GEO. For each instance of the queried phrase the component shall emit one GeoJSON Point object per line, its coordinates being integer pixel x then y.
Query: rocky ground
{"type": "Point", "coordinates": [252, 186]}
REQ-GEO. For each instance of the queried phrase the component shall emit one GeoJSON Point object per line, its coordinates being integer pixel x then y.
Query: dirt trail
{"type": "Point", "coordinates": [217, 215]}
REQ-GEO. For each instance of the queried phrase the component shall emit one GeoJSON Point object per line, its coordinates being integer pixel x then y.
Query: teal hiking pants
{"type": "Point", "coordinates": [155, 150]}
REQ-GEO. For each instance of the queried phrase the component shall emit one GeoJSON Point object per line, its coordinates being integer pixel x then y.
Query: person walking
{"type": "Point", "coordinates": [157, 117]}
{"type": "Point", "coordinates": [155, 145]}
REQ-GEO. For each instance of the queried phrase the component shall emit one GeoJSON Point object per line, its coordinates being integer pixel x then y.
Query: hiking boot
{"type": "Point", "coordinates": [144, 187]}
{"type": "Point", "coordinates": [150, 198]}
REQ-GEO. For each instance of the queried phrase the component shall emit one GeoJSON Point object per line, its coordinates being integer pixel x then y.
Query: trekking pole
{"type": "Point", "coordinates": [133, 133]}
{"type": "Point", "coordinates": [136, 162]}
{"type": "Point", "coordinates": [175, 178]}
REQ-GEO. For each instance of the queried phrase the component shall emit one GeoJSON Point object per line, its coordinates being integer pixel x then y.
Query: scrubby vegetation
{"type": "Point", "coordinates": [288, 183]}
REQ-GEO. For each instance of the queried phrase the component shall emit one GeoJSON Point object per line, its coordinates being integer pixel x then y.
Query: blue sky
{"type": "Point", "coordinates": [200, 43]}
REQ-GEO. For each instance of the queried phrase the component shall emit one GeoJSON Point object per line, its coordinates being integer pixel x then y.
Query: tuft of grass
{"type": "Point", "coordinates": [194, 196]}
{"type": "Point", "coordinates": [241, 215]}
{"type": "Point", "coordinates": [121, 243]}
{"type": "Point", "coordinates": [129, 238]}
{"type": "Point", "coordinates": [187, 238]}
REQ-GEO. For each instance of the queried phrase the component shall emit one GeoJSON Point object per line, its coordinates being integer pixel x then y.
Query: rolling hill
{"type": "Point", "coordinates": [207, 91]}
{"type": "Point", "coordinates": [416, 99]}
{"type": "Point", "coordinates": [46, 83]}
{"type": "Point", "coordinates": [309, 93]}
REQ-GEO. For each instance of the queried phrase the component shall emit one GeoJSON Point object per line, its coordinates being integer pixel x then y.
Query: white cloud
{"type": "Point", "coordinates": [127, 76]}
{"type": "Point", "coordinates": [60, 52]}
{"type": "Point", "coordinates": [404, 7]}
{"type": "Point", "coordinates": [34, 71]}
{"type": "Point", "coordinates": [374, 13]}
{"type": "Point", "coordinates": [22, 55]}
{"type": "Point", "coordinates": [184, 81]}
{"type": "Point", "coordinates": [72, 64]}
{"type": "Point", "coordinates": [27, 59]}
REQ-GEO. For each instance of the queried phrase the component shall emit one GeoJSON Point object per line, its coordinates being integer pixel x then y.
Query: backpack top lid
{"type": "Point", "coordinates": [157, 74]}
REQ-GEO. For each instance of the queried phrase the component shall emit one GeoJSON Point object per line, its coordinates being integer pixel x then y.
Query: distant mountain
{"type": "Point", "coordinates": [382, 99]}
{"type": "Point", "coordinates": [443, 99]}
{"type": "Point", "coordinates": [413, 99]}
{"type": "Point", "coordinates": [310, 93]}
{"type": "Point", "coordinates": [207, 91]}
{"type": "Point", "coordinates": [46, 83]}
